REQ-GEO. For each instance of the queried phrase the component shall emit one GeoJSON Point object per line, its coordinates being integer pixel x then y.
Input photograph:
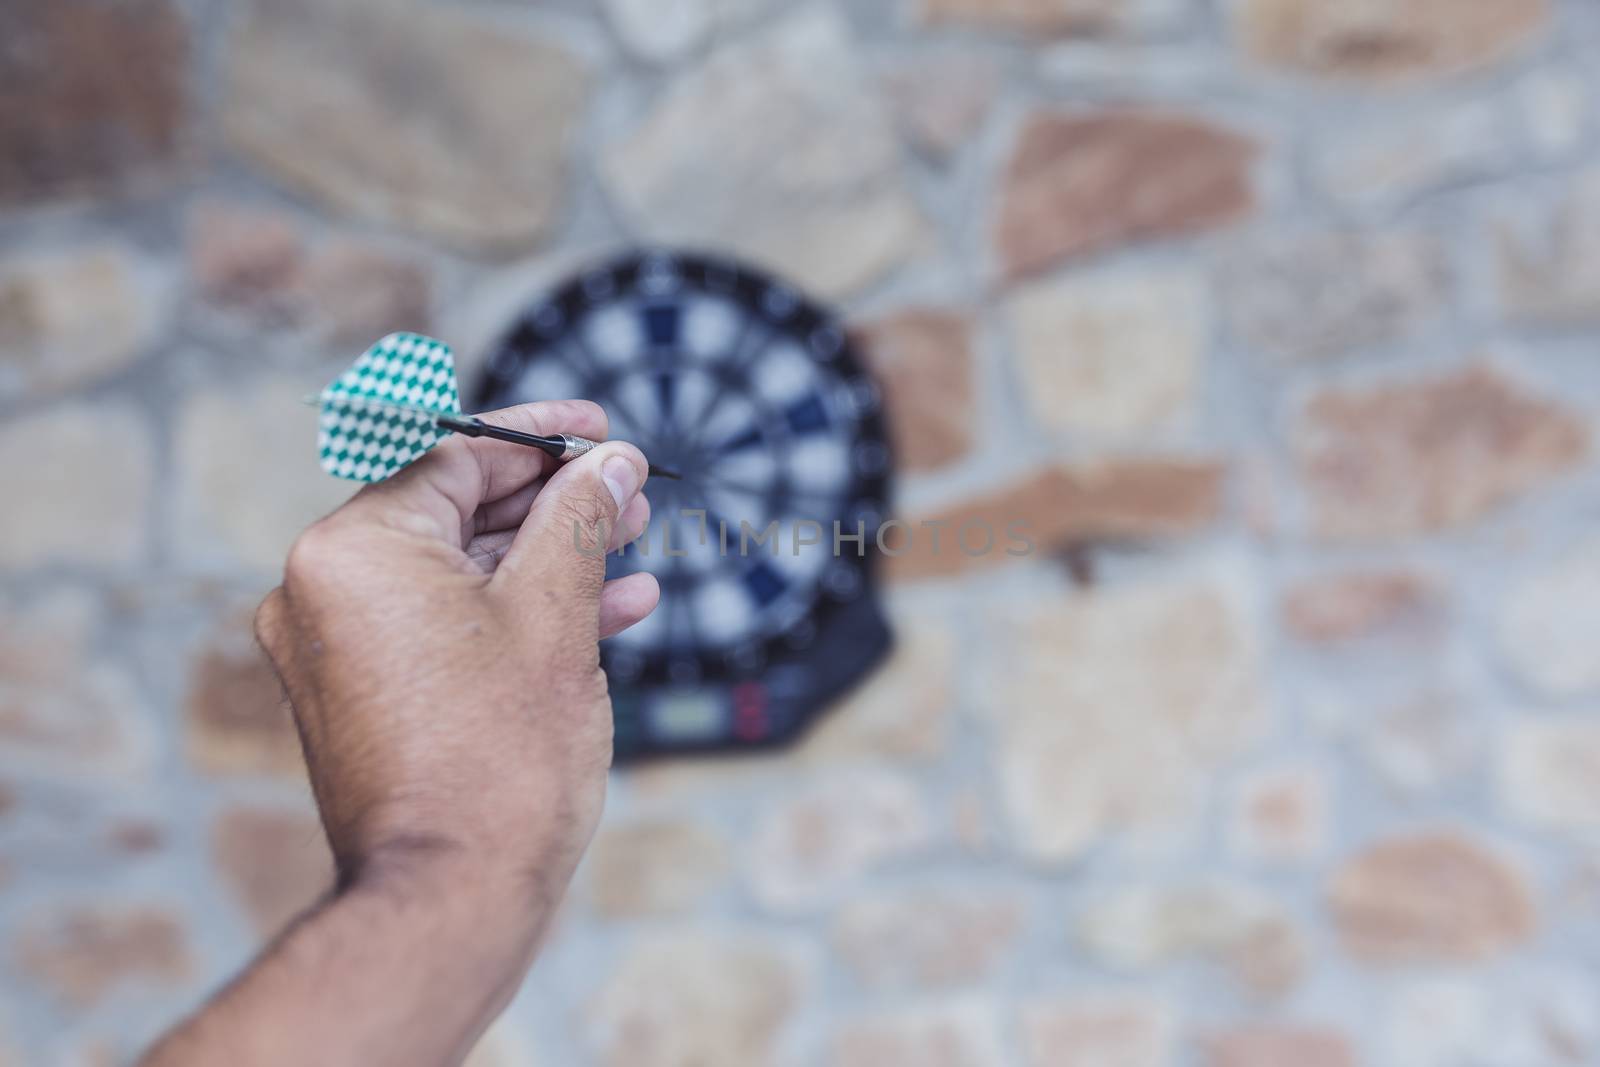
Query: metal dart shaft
{"type": "Point", "coordinates": [561, 446]}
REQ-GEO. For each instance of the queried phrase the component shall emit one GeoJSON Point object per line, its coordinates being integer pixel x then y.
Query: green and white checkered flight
{"type": "Point", "coordinates": [399, 400]}
{"type": "Point", "coordinates": [383, 412]}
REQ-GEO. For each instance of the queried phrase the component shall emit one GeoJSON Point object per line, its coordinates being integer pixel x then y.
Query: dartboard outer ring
{"type": "Point", "coordinates": [767, 689]}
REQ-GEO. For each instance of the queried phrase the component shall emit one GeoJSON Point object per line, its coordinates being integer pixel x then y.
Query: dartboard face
{"type": "Point", "coordinates": [765, 550]}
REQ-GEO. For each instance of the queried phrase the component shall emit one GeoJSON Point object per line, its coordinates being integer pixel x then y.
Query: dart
{"type": "Point", "coordinates": [398, 401]}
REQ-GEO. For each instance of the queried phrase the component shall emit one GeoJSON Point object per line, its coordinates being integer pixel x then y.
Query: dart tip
{"type": "Point", "coordinates": [659, 472]}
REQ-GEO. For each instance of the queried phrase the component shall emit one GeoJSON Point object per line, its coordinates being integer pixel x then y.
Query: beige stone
{"type": "Point", "coordinates": [1340, 607]}
{"type": "Point", "coordinates": [654, 867]}
{"type": "Point", "coordinates": [776, 150]}
{"type": "Point", "coordinates": [1087, 182]}
{"type": "Point", "coordinates": [1098, 1029]}
{"type": "Point", "coordinates": [923, 360]}
{"type": "Point", "coordinates": [903, 711]}
{"type": "Point", "coordinates": [1140, 928]}
{"type": "Point", "coordinates": [1114, 355]}
{"type": "Point", "coordinates": [248, 479]}
{"type": "Point", "coordinates": [1109, 709]}
{"type": "Point", "coordinates": [1549, 771]}
{"type": "Point", "coordinates": [1548, 620]}
{"type": "Point", "coordinates": [97, 101]}
{"type": "Point", "coordinates": [1404, 458]}
{"type": "Point", "coordinates": [84, 476]}
{"type": "Point", "coordinates": [471, 151]}
{"type": "Point", "coordinates": [1430, 897]}
{"type": "Point", "coordinates": [1057, 508]}
{"type": "Point", "coordinates": [63, 708]}
{"type": "Point", "coordinates": [1314, 295]}
{"type": "Point", "coordinates": [275, 860]}
{"type": "Point", "coordinates": [695, 997]}
{"type": "Point", "coordinates": [810, 848]}
{"type": "Point", "coordinates": [81, 953]}
{"type": "Point", "coordinates": [928, 937]}
{"type": "Point", "coordinates": [74, 316]}
{"type": "Point", "coordinates": [947, 1034]}
{"type": "Point", "coordinates": [1378, 43]}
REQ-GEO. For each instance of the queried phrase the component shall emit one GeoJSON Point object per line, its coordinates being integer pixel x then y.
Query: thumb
{"type": "Point", "coordinates": [558, 558]}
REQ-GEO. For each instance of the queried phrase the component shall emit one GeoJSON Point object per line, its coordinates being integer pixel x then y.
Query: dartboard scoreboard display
{"type": "Point", "coordinates": [765, 550]}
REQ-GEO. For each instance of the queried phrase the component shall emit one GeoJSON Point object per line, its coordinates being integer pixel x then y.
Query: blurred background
{"type": "Point", "coordinates": [1276, 319]}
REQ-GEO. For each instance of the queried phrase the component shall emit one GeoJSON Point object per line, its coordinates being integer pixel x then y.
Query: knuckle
{"type": "Point", "coordinates": [590, 411]}
{"type": "Point", "coordinates": [269, 620]}
{"type": "Point", "coordinates": [314, 554]}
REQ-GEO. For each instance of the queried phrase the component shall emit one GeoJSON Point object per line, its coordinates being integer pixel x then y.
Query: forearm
{"type": "Point", "coordinates": [405, 969]}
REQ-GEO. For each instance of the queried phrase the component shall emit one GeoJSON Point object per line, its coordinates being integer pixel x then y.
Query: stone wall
{"type": "Point", "coordinates": [1277, 318]}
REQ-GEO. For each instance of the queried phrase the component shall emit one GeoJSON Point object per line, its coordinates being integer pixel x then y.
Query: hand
{"type": "Point", "coordinates": [437, 638]}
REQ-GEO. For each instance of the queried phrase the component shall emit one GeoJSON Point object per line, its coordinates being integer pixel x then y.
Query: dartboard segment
{"type": "Point", "coordinates": [754, 395]}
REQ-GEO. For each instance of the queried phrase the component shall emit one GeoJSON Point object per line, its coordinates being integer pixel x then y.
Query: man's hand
{"type": "Point", "coordinates": [437, 637]}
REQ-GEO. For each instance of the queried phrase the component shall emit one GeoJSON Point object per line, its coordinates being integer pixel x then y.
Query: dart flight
{"type": "Point", "coordinates": [399, 400]}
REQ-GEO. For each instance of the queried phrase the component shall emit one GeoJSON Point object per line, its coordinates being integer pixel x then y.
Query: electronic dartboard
{"type": "Point", "coordinates": [754, 396]}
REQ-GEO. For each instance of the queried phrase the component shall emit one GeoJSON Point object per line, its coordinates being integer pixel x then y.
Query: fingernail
{"type": "Point", "coordinates": [621, 479]}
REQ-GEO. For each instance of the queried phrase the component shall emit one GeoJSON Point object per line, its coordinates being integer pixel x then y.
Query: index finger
{"type": "Point", "coordinates": [441, 491]}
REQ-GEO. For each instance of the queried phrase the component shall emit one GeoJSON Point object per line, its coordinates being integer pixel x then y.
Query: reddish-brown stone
{"type": "Point", "coordinates": [1128, 1030]}
{"type": "Point", "coordinates": [1436, 897]}
{"type": "Point", "coordinates": [1081, 183]}
{"type": "Point", "coordinates": [1395, 41]}
{"type": "Point", "coordinates": [360, 291]}
{"type": "Point", "coordinates": [276, 861]}
{"type": "Point", "coordinates": [1279, 1046]}
{"type": "Point", "coordinates": [1407, 458]}
{"type": "Point", "coordinates": [91, 95]}
{"type": "Point", "coordinates": [260, 261]}
{"type": "Point", "coordinates": [1341, 607]}
{"type": "Point", "coordinates": [238, 719]}
{"type": "Point", "coordinates": [246, 257]}
{"type": "Point", "coordinates": [1113, 500]}
{"type": "Point", "coordinates": [923, 358]}
{"type": "Point", "coordinates": [82, 953]}
{"type": "Point", "coordinates": [135, 837]}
